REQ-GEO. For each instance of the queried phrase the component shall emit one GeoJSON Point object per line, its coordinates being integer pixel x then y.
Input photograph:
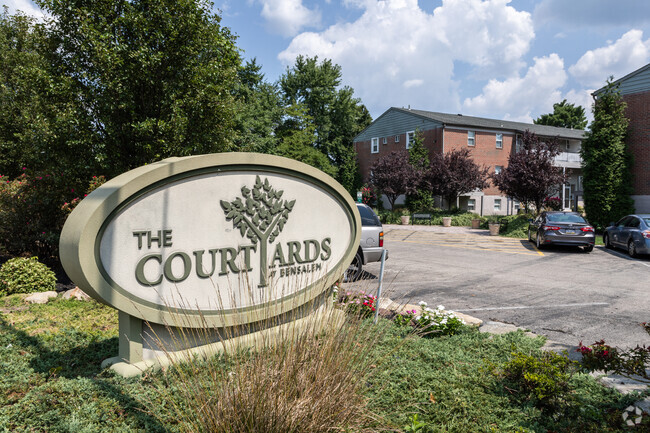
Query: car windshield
{"type": "Point", "coordinates": [368, 217]}
{"type": "Point", "coordinates": [565, 218]}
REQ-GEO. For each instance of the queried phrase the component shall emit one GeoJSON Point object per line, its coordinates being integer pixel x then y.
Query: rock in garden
{"type": "Point", "coordinates": [75, 293]}
{"type": "Point", "coordinates": [40, 297]}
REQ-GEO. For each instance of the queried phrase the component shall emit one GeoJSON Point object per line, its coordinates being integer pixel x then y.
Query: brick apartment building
{"type": "Point", "coordinates": [635, 91]}
{"type": "Point", "coordinates": [491, 141]}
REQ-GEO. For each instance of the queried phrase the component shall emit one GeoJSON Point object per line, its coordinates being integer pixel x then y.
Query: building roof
{"type": "Point", "coordinates": [480, 122]}
{"type": "Point", "coordinates": [634, 82]}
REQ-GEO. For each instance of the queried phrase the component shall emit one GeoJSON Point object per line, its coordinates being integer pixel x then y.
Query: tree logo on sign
{"type": "Point", "coordinates": [260, 215]}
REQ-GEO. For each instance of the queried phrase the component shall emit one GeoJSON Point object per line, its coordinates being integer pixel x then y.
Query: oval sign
{"type": "Point", "coordinates": [217, 238]}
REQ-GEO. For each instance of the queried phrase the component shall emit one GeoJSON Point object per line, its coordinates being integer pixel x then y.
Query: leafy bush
{"type": "Point", "coordinates": [512, 226]}
{"type": "Point", "coordinates": [632, 363]}
{"type": "Point", "coordinates": [33, 209]}
{"type": "Point", "coordinates": [543, 379]}
{"type": "Point", "coordinates": [30, 211]}
{"type": "Point", "coordinates": [459, 218]}
{"type": "Point", "coordinates": [25, 275]}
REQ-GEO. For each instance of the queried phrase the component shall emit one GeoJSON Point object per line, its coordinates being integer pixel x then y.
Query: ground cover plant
{"type": "Point", "coordinates": [51, 380]}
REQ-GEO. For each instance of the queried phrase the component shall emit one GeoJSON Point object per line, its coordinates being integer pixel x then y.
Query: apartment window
{"type": "Point", "coordinates": [517, 206]}
{"type": "Point", "coordinates": [518, 144]}
{"type": "Point", "coordinates": [384, 140]}
{"type": "Point", "coordinates": [497, 169]}
{"type": "Point", "coordinates": [580, 187]}
{"type": "Point", "coordinates": [374, 145]}
{"type": "Point", "coordinates": [471, 205]}
{"type": "Point", "coordinates": [410, 138]}
{"type": "Point", "coordinates": [471, 138]}
{"type": "Point", "coordinates": [397, 139]}
{"type": "Point", "coordinates": [499, 141]}
{"type": "Point", "coordinates": [497, 204]}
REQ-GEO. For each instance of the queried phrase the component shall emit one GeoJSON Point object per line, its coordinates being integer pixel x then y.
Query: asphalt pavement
{"type": "Point", "coordinates": [563, 293]}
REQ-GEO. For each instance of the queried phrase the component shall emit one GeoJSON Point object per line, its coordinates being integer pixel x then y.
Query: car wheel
{"type": "Point", "coordinates": [354, 270]}
{"type": "Point", "coordinates": [631, 248]}
{"type": "Point", "coordinates": [606, 241]}
{"type": "Point", "coordinates": [538, 244]}
{"type": "Point", "coordinates": [588, 248]}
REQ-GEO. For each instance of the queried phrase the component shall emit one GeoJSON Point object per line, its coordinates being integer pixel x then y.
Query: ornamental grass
{"type": "Point", "coordinates": [304, 376]}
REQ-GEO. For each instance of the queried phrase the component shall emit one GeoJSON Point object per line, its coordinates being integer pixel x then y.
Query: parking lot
{"type": "Point", "coordinates": [563, 293]}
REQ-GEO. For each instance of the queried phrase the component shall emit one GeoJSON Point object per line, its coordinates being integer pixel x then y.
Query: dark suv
{"type": "Point", "coordinates": [371, 244]}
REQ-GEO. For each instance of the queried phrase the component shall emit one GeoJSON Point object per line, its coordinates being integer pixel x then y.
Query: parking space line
{"type": "Point", "coordinates": [625, 256]}
{"type": "Point", "coordinates": [590, 304]}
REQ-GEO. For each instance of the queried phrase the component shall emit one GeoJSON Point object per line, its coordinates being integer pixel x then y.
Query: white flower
{"type": "Point", "coordinates": [422, 304]}
{"type": "Point", "coordinates": [441, 307]}
{"type": "Point", "coordinates": [429, 310]}
{"type": "Point", "coordinates": [417, 318]}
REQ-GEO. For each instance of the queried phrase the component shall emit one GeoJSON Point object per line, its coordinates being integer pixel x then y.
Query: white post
{"type": "Point", "coordinates": [381, 280]}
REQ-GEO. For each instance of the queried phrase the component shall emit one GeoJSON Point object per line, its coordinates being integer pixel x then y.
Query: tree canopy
{"type": "Point", "coordinates": [454, 173]}
{"type": "Point", "coordinates": [393, 175]}
{"type": "Point", "coordinates": [531, 176]}
{"type": "Point", "coordinates": [564, 115]}
{"type": "Point", "coordinates": [606, 161]}
{"type": "Point", "coordinates": [337, 115]}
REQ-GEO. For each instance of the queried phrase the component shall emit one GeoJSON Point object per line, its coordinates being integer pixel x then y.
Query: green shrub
{"type": "Point", "coordinates": [459, 218]}
{"type": "Point", "coordinates": [25, 275]}
{"type": "Point", "coordinates": [543, 379]}
{"type": "Point", "coordinates": [33, 209]}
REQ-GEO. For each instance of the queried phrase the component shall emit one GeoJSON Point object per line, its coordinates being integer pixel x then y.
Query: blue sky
{"type": "Point", "coordinates": [507, 59]}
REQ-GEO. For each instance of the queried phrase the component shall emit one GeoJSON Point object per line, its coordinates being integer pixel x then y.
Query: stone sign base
{"type": "Point", "coordinates": [155, 346]}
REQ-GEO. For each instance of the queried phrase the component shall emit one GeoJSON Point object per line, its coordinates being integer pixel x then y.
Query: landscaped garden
{"type": "Point", "coordinates": [421, 370]}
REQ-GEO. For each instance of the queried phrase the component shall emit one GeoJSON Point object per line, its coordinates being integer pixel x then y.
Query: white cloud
{"type": "Point", "coordinates": [619, 58]}
{"type": "Point", "coordinates": [413, 83]}
{"type": "Point", "coordinates": [288, 17]}
{"type": "Point", "coordinates": [25, 6]}
{"type": "Point", "coordinates": [521, 97]}
{"type": "Point", "coordinates": [485, 33]}
{"type": "Point", "coordinates": [394, 46]}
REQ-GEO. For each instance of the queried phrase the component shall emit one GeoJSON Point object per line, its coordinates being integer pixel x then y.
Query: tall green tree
{"type": "Point", "coordinates": [337, 115]}
{"type": "Point", "coordinates": [564, 115]}
{"type": "Point", "coordinates": [42, 126]}
{"type": "Point", "coordinates": [155, 77]}
{"type": "Point", "coordinates": [606, 160]}
{"type": "Point", "coordinates": [296, 137]}
{"type": "Point", "coordinates": [260, 111]}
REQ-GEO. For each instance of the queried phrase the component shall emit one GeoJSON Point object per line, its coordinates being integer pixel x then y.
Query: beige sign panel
{"type": "Point", "coordinates": [215, 237]}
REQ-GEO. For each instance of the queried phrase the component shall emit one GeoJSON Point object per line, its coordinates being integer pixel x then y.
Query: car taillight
{"type": "Point", "coordinates": [587, 229]}
{"type": "Point", "coordinates": [646, 234]}
{"type": "Point", "coordinates": [550, 228]}
{"type": "Point", "coordinates": [381, 239]}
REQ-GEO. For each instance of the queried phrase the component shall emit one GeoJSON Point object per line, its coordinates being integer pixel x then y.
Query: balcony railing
{"type": "Point", "coordinates": [568, 157]}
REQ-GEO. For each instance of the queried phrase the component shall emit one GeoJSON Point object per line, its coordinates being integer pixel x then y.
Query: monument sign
{"type": "Point", "coordinates": [212, 239]}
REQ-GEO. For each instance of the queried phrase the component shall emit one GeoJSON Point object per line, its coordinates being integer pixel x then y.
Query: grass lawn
{"type": "Point", "coordinates": [51, 381]}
